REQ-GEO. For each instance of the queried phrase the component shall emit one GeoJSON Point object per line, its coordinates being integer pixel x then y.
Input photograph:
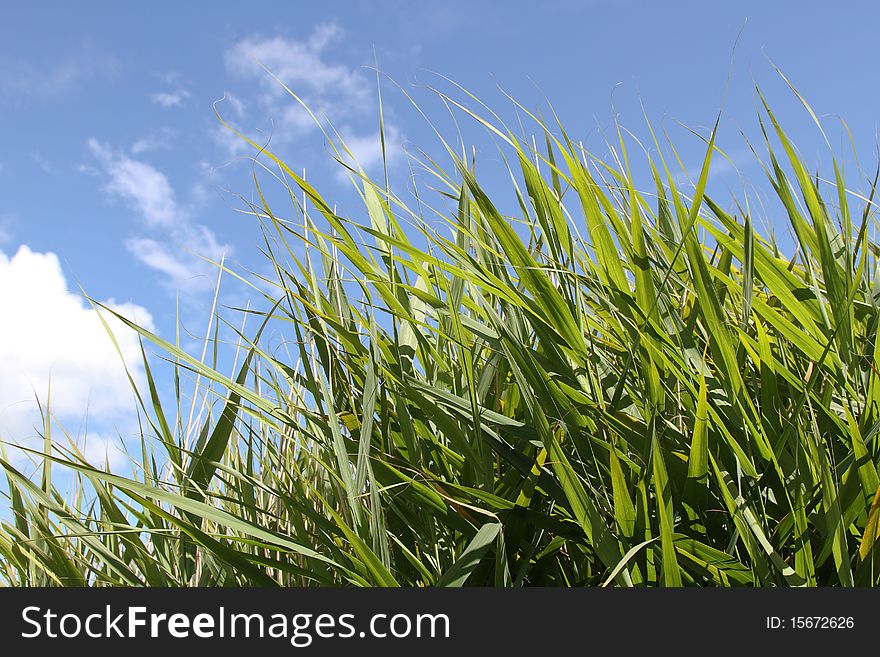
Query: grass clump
{"type": "Point", "coordinates": [614, 386]}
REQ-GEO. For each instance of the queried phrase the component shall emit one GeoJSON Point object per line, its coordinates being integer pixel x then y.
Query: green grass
{"type": "Point", "coordinates": [616, 386]}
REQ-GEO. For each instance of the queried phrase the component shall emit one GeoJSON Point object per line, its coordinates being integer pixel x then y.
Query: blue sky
{"type": "Point", "coordinates": [114, 170]}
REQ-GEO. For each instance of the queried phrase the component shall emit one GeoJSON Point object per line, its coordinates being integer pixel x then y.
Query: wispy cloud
{"type": "Point", "coordinates": [100, 449]}
{"type": "Point", "coordinates": [174, 241]}
{"type": "Point", "coordinates": [233, 110]}
{"type": "Point", "coordinates": [175, 96]}
{"type": "Point", "coordinates": [167, 99]}
{"type": "Point", "coordinates": [141, 185]}
{"type": "Point", "coordinates": [239, 109]}
{"type": "Point", "coordinates": [22, 81]}
{"type": "Point", "coordinates": [366, 149]}
{"type": "Point", "coordinates": [181, 259]}
{"type": "Point", "coordinates": [326, 84]}
{"type": "Point", "coordinates": [305, 66]}
{"type": "Point", "coordinates": [41, 161]}
{"type": "Point", "coordinates": [157, 141]}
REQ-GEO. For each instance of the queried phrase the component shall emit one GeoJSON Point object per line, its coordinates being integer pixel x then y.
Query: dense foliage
{"type": "Point", "coordinates": [614, 386]}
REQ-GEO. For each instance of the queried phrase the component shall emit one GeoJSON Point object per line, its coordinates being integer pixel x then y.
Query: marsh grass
{"type": "Point", "coordinates": [615, 386]}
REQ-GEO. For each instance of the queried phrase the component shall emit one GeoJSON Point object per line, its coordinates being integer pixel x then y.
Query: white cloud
{"type": "Point", "coordinates": [367, 148]}
{"type": "Point", "coordinates": [303, 65]}
{"type": "Point", "coordinates": [328, 86]}
{"type": "Point", "coordinates": [51, 335]}
{"type": "Point", "coordinates": [232, 109]}
{"type": "Point", "coordinates": [168, 99]}
{"type": "Point", "coordinates": [180, 241]}
{"type": "Point", "coordinates": [179, 260]}
{"type": "Point", "coordinates": [100, 449]}
{"type": "Point", "coordinates": [230, 142]}
{"type": "Point", "coordinates": [160, 140]}
{"type": "Point", "coordinates": [140, 184]}
{"type": "Point", "coordinates": [239, 109]}
{"type": "Point", "coordinates": [156, 255]}
{"type": "Point", "coordinates": [297, 119]}
{"type": "Point", "coordinates": [44, 164]}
